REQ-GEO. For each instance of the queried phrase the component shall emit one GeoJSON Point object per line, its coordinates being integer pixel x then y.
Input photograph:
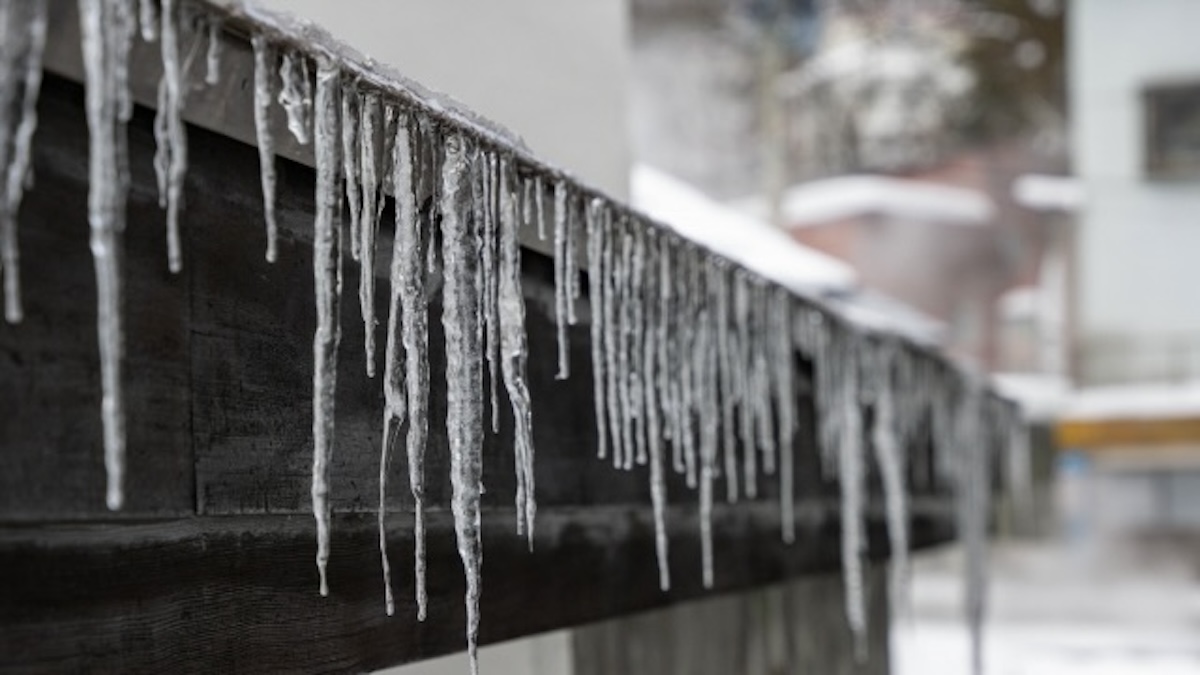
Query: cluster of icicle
{"type": "Point", "coordinates": [696, 363]}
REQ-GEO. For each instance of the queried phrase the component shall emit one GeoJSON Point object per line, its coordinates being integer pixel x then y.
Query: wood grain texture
{"type": "Point", "coordinates": [238, 594]}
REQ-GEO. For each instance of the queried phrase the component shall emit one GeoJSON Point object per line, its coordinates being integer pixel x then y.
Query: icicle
{"type": "Point", "coordinates": [624, 331]}
{"type": "Point", "coordinates": [296, 95]}
{"type": "Point", "coordinates": [665, 339]}
{"type": "Point", "coordinates": [689, 385]}
{"type": "Point", "coordinates": [719, 281]}
{"type": "Point", "coordinates": [512, 338]}
{"type": "Point", "coordinates": [889, 458]}
{"type": "Point", "coordinates": [212, 58]}
{"type": "Point", "coordinates": [636, 339]}
{"type": "Point", "coordinates": [571, 264]}
{"type": "Point", "coordinates": [708, 442]}
{"type": "Point", "coordinates": [491, 305]}
{"type": "Point", "coordinates": [782, 364]}
{"type": "Point", "coordinates": [408, 320]}
{"type": "Point", "coordinates": [973, 507]}
{"type": "Point", "coordinates": [597, 272]}
{"type": "Point", "coordinates": [464, 418]}
{"type": "Point", "coordinates": [351, 164]}
{"type": "Point", "coordinates": [539, 196]}
{"type": "Point", "coordinates": [170, 157]}
{"type": "Point", "coordinates": [561, 283]}
{"type": "Point", "coordinates": [327, 252]}
{"type": "Point", "coordinates": [650, 345]}
{"type": "Point", "coordinates": [852, 482]}
{"type": "Point", "coordinates": [32, 28]}
{"type": "Point", "coordinates": [612, 373]}
{"type": "Point", "coordinates": [105, 28]}
{"type": "Point", "coordinates": [264, 67]}
{"type": "Point", "coordinates": [746, 381]}
{"type": "Point", "coordinates": [371, 155]}
{"type": "Point", "coordinates": [528, 216]}
{"type": "Point", "coordinates": [148, 11]}
{"type": "Point", "coordinates": [762, 378]}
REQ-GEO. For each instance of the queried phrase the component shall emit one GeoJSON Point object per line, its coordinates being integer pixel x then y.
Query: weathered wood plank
{"type": "Point", "coordinates": [238, 594]}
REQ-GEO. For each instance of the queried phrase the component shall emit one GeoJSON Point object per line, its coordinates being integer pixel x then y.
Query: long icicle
{"type": "Point", "coordinates": [635, 382]}
{"type": "Point", "coordinates": [395, 400]}
{"type": "Point", "coordinates": [511, 310]}
{"type": "Point", "coordinates": [705, 356]}
{"type": "Point", "coordinates": [464, 419]}
{"type": "Point", "coordinates": [407, 327]}
{"type": "Point", "coordinates": [561, 283]}
{"type": "Point", "coordinates": [658, 482]}
{"type": "Point", "coordinates": [105, 28]}
{"type": "Point", "coordinates": [327, 252]}
{"type": "Point", "coordinates": [596, 286]}
{"type": "Point", "coordinates": [785, 402]}
{"type": "Point", "coordinates": [34, 27]}
{"type": "Point", "coordinates": [889, 459]}
{"type": "Point", "coordinates": [351, 163]}
{"type": "Point", "coordinates": [851, 479]}
{"type": "Point", "coordinates": [725, 369]}
{"type": "Point", "coordinates": [624, 332]}
{"type": "Point", "coordinates": [745, 338]}
{"type": "Point", "coordinates": [666, 340]}
{"type": "Point", "coordinates": [490, 299]}
{"type": "Point", "coordinates": [264, 94]}
{"type": "Point", "coordinates": [171, 157]}
{"type": "Point", "coordinates": [689, 387]}
{"type": "Point", "coordinates": [612, 273]}
{"type": "Point", "coordinates": [371, 156]}
{"type": "Point", "coordinates": [763, 378]}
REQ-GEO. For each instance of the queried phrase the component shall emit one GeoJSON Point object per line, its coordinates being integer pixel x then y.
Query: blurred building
{"type": "Point", "coordinates": [1136, 311]}
{"type": "Point", "coordinates": [1137, 151]}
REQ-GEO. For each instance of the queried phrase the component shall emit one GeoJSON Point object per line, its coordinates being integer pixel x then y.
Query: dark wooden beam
{"type": "Point", "coordinates": [211, 565]}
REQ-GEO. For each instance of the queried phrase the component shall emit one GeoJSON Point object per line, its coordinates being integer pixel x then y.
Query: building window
{"type": "Point", "coordinates": [1172, 132]}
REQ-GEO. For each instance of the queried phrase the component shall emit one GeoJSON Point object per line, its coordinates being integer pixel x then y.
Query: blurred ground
{"type": "Point", "coordinates": [1127, 605]}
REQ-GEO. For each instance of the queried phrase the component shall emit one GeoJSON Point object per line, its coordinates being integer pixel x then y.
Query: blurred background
{"type": "Point", "coordinates": [1017, 181]}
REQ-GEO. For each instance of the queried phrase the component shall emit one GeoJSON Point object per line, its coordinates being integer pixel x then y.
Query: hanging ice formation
{"type": "Point", "coordinates": [23, 29]}
{"type": "Point", "coordinates": [697, 364]}
{"type": "Point", "coordinates": [464, 413]}
{"type": "Point", "coordinates": [327, 274]}
{"type": "Point", "coordinates": [107, 29]}
{"type": "Point", "coordinates": [264, 91]}
{"type": "Point", "coordinates": [170, 158]}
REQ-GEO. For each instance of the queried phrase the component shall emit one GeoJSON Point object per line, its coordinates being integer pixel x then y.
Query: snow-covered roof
{"type": "Point", "coordinates": [1020, 302]}
{"type": "Point", "coordinates": [871, 308]}
{"type": "Point", "coordinates": [770, 252]}
{"type": "Point", "coordinates": [739, 237]}
{"type": "Point", "coordinates": [834, 199]}
{"type": "Point", "coordinates": [1147, 401]}
{"type": "Point", "coordinates": [1042, 192]}
{"type": "Point", "coordinates": [1040, 396]}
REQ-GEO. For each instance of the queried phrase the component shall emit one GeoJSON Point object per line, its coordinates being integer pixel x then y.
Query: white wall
{"type": "Point", "coordinates": [1139, 239]}
{"type": "Point", "coordinates": [553, 71]}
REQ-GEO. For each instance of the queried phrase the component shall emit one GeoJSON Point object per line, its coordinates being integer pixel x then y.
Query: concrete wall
{"type": "Point", "coordinates": [1139, 238]}
{"type": "Point", "coordinates": [553, 71]}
